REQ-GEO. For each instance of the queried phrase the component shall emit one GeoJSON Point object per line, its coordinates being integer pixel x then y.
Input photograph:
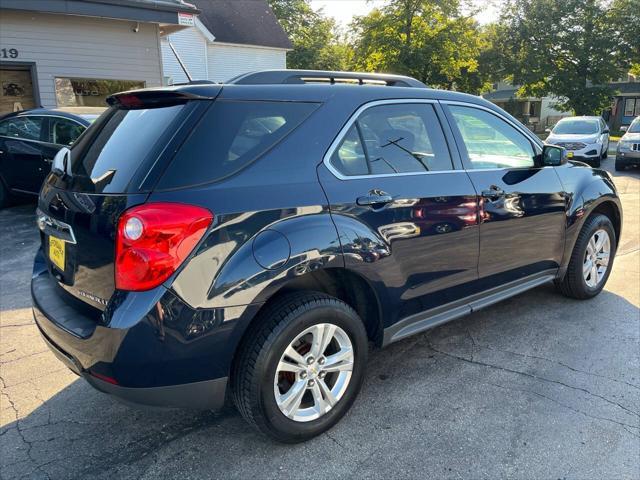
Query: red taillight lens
{"type": "Point", "coordinates": [153, 240]}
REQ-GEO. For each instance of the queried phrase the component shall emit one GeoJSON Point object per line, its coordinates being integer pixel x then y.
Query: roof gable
{"type": "Point", "coordinates": [244, 22]}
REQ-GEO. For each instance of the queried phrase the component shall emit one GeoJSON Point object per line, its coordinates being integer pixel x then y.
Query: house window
{"type": "Point", "coordinates": [90, 92]}
{"type": "Point", "coordinates": [631, 107]}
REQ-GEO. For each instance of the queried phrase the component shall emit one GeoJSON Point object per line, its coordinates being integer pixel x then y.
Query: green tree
{"type": "Point", "coordinates": [431, 40]}
{"type": "Point", "coordinates": [317, 44]}
{"type": "Point", "coordinates": [570, 49]}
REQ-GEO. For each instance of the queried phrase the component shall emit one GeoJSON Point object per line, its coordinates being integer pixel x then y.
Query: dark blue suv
{"type": "Point", "coordinates": [248, 241]}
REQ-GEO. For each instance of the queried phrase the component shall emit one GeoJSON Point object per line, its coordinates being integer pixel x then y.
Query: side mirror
{"type": "Point", "coordinates": [60, 164]}
{"type": "Point", "coordinates": [553, 156]}
{"type": "Point", "coordinates": [547, 130]}
{"type": "Point", "coordinates": [606, 130]}
{"type": "Point", "coordinates": [623, 128]}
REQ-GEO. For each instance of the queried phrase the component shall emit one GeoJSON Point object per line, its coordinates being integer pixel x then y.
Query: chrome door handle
{"type": "Point", "coordinates": [48, 160]}
{"type": "Point", "coordinates": [493, 192]}
{"type": "Point", "coordinates": [374, 199]}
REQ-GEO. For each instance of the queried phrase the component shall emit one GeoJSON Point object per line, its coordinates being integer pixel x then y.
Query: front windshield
{"type": "Point", "coordinates": [635, 126]}
{"type": "Point", "coordinates": [576, 127]}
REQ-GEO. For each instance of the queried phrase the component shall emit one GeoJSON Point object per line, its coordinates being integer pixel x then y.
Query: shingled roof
{"type": "Point", "coordinates": [160, 11]}
{"type": "Point", "coordinates": [245, 22]}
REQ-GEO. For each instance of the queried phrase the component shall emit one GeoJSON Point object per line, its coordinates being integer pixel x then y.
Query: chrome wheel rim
{"type": "Point", "coordinates": [596, 258]}
{"type": "Point", "coordinates": [314, 372]}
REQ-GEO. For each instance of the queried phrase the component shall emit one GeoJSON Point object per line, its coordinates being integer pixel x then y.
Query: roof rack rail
{"type": "Point", "coordinates": [271, 77]}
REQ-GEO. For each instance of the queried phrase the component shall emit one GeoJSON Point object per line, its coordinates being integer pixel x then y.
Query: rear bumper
{"type": "Point", "coordinates": [147, 349]}
{"type": "Point", "coordinates": [206, 395]}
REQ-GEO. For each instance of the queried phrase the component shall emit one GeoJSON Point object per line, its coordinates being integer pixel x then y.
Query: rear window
{"type": "Point", "coordinates": [231, 135]}
{"type": "Point", "coordinates": [120, 143]}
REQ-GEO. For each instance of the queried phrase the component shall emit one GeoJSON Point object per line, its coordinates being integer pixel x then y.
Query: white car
{"type": "Point", "coordinates": [584, 138]}
{"type": "Point", "coordinates": [628, 151]}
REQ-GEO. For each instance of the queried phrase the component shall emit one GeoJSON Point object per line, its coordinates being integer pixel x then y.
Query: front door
{"type": "Point", "coordinates": [522, 205]}
{"type": "Point", "coordinates": [407, 218]}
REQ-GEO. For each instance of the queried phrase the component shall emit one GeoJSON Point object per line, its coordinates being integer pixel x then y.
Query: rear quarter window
{"type": "Point", "coordinates": [232, 135]}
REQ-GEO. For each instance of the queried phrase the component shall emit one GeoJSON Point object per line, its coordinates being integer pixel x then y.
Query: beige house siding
{"type": "Point", "coordinates": [81, 47]}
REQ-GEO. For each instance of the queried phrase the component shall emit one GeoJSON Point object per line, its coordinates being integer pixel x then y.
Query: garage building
{"type": "Point", "coordinates": [229, 38]}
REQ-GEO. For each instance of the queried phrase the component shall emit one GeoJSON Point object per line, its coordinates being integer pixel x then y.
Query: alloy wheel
{"type": "Point", "coordinates": [596, 258]}
{"type": "Point", "coordinates": [314, 372]}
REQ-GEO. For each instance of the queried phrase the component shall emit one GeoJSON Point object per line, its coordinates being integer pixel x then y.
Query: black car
{"type": "Point", "coordinates": [28, 142]}
{"type": "Point", "coordinates": [250, 240]}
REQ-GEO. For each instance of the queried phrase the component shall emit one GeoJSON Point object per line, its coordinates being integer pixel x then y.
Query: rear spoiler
{"type": "Point", "coordinates": [160, 97]}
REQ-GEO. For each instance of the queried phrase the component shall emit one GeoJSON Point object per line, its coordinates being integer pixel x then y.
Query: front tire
{"type": "Point", "coordinates": [301, 367]}
{"type": "Point", "coordinates": [619, 166]}
{"type": "Point", "coordinates": [591, 259]}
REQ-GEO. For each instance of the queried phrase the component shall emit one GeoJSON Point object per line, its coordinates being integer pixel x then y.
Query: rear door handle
{"type": "Point", "coordinates": [374, 199]}
{"type": "Point", "coordinates": [493, 192]}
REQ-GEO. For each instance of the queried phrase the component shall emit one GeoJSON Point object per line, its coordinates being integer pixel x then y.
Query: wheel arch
{"type": "Point", "coordinates": [344, 284]}
{"type": "Point", "coordinates": [610, 209]}
{"type": "Point", "coordinates": [608, 205]}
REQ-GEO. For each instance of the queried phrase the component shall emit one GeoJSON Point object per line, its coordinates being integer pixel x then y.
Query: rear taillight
{"type": "Point", "coordinates": [153, 240]}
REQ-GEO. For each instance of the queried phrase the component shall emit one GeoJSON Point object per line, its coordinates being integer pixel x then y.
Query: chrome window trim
{"type": "Point", "coordinates": [526, 132]}
{"type": "Point", "coordinates": [41, 115]}
{"type": "Point", "coordinates": [343, 131]}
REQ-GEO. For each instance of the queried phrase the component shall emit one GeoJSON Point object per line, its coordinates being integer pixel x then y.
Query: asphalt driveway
{"type": "Point", "coordinates": [539, 386]}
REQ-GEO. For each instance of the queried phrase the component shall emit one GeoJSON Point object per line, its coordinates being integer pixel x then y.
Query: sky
{"type": "Point", "coordinates": [344, 10]}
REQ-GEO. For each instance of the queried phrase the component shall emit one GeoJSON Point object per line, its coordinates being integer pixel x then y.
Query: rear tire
{"type": "Point", "coordinates": [4, 195]}
{"type": "Point", "coordinates": [581, 280]}
{"type": "Point", "coordinates": [264, 383]}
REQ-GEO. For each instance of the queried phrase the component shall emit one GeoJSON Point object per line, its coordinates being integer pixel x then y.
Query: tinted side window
{"type": "Point", "coordinates": [28, 128]}
{"type": "Point", "coordinates": [232, 135]}
{"type": "Point", "coordinates": [395, 138]}
{"type": "Point", "coordinates": [490, 141]}
{"type": "Point", "coordinates": [63, 131]}
{"type": "Point", "coordinates": [349, 158]}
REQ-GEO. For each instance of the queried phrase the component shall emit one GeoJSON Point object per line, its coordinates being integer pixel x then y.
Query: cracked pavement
{"type": "Point", "coordinates": [539, 386]}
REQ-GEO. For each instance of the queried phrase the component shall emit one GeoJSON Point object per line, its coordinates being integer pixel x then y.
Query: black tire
{"type": "Point", "coordinates": [4, 195]}
{"type": "Point", "coordinates": [605, 154]}
{"type": "Point", "coordinates": [619, 166]}
{"type": "Point", "coordinates": [574, 284]}
{"type": "Point", "coordinates": [254, 371]}
{"type": "Point", "coordinates": [596, 163]}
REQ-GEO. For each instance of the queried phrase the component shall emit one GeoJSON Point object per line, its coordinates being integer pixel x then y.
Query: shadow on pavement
{"type": "Point", "coordinates": [540, 366]}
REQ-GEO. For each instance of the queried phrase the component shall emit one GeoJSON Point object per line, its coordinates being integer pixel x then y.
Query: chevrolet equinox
{"type": "Point", "coordinates": [249, 241]}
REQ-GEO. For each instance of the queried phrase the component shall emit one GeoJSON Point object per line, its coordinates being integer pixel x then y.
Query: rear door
{"type": "Point", "coordinates": [60, 132]}
{"type": "Point", "coordinates": [21, 143]}
{"type": "Point", "coordinates": [407, 218]}
{"type": "Point", "coordinates": [522, 205]}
